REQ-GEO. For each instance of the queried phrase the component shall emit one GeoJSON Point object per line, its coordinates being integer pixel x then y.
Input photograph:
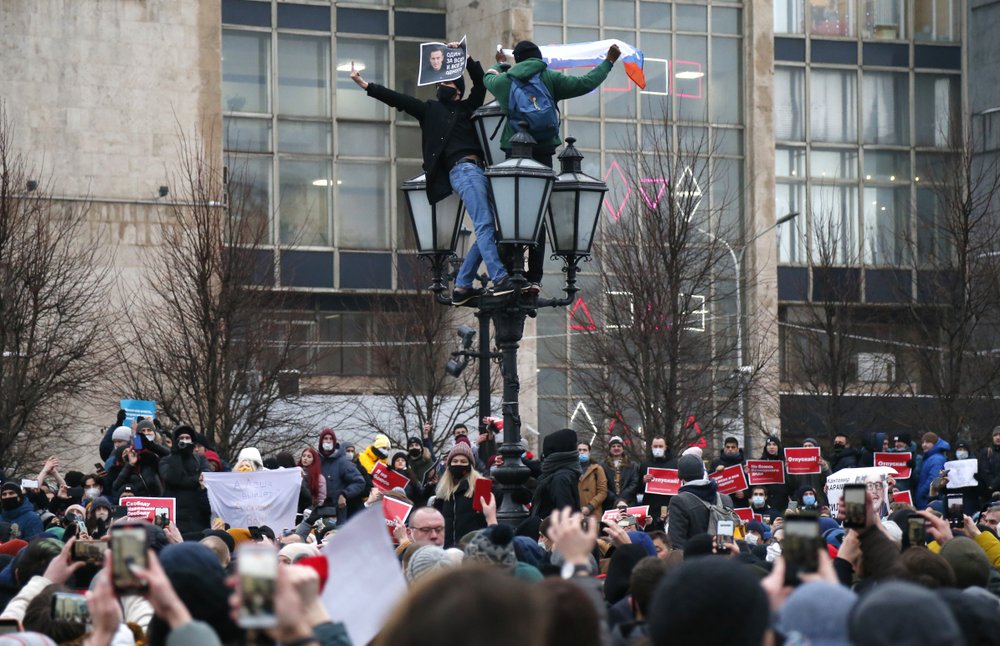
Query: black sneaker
{"type": "Point", "coordinates": [504, 287]}
{"type": "Point", "coordinates": [462, 295]}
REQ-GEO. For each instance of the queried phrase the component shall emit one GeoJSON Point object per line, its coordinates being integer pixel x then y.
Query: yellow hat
{"type": "Point", "coordinates": [381, 442]}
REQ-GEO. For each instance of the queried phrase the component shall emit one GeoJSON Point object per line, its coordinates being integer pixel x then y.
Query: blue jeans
{"type": "Point", "coordinates": [469, 181]}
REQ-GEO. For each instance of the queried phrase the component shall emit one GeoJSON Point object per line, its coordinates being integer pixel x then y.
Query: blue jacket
{"type": "Point", "coordinates": [934, 460]}
{"type": "Point", "coordinates": [342, 477]}
{"type": "Point", "coordinates": [29, 522]}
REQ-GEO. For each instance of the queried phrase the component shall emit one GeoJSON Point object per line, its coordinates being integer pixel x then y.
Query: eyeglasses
{"type": "Point", "coordinates": [429, 530]}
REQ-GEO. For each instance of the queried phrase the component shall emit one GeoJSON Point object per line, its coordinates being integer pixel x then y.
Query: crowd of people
{"type": "Point", "coordinates": [583, 567]}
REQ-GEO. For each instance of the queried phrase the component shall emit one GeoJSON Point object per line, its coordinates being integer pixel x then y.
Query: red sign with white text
{"type": "Point", "coordinates": [385, 479]}
{"type": "Point", "coordinates": [639, 512]}
{"type": "Point", "coordinates": [802, 460]}
{"type": "Point", "coordinates": [765, 472]}
{"type": "Point", "coordinates": [730, 479]}
{"type": "Point", "coordinates": [394, 510]}
{"type": "Point", "coordinates": [746, 515]}
{"type": "Point", "coordinates": [903, 497]}
{"type": "Point", "coordinates": [665, 482]}
{"type": "Point", "coordinates": [144, 508]}
{"type": "Point", "coordinates": [895, 461]}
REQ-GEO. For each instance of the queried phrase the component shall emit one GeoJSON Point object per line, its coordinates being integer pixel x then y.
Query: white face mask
{"type": "Point", "coordinates": [93, 492]}
{"type": "Point", "coordinates": [961, 455]}
{"type": "Point", "coordinates": [751, 539]}
{"type": "Point", "coordinates": [659, 453]}
{"type": "Point", "coordinates": [327, 446]}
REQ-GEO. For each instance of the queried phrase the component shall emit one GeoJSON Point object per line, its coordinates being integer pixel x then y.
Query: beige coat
{"type": "Point", "coordinates": [593, 488]}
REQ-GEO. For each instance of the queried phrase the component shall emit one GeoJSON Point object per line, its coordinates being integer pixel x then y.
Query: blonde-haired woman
{"type": "Point", "coordinates": [454, 495]}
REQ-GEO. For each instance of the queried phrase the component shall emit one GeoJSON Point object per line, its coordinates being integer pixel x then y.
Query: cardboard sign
{"type": "Point", "coordinates": [802, 460]}
{"type": "Point", "coordinates": [137, 408]}
{"type": "Point", "coordinates": [895, 461]}
{"type": "Point", "coordinates": [143, 508]}
{"type": "Point", "coordinates": [638, 512]}
{"type": "Point", "coordinates": [765, 472]}
{"type": "Point", "coordinates": [665, 482]}
{"type": "Point", "coordinates": [385, 479]}
{"type": "Point", "coordinates": [903, 496]}
{"type": "Point", "coordinates": [731, 479]}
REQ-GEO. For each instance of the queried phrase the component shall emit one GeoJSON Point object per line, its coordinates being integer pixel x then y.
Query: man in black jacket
{"type": "Point", "coordinates": [558, 485]}
{"type": "Point", "coordinates": [688, 514]}
{"type": "Point", "coordinates": [660, 458]}
{"type": "Point", "coordinates": [453, 160]}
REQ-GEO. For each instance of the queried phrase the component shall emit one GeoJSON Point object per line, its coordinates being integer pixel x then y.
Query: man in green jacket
{"type": "Point", "coordinates": [528, 62]}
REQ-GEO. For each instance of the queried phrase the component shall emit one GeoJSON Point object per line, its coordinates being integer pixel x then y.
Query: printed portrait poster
{"type": "Point", "coordinates": [438, 62]}
{"type": "Point", "coordinates": [873, 477]}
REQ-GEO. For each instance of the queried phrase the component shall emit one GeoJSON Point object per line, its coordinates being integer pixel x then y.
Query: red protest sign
{"type": "Point", "coordinates": [745, 514]}
{"type": "Point", "coordinates": [144, 508]}
{"type": "Point", "coordinates": [765, 472]}
{"type": "Point", "coordinates": [639, 512]}
{"type": "Point", "coordinates": [895, 461]}
{"type": "Point", "coordinates": [802, 460]}
{"type": "Point", "coordinates": [394, 510]}
{"type": "Point", "coordinates": [730, 479]}
{"type": "Point", "coordinates": [665, 482]}
{"type": "Point", "coordinates": [385, 479]}
{"type": "Point", "coordinates": [903, 497]}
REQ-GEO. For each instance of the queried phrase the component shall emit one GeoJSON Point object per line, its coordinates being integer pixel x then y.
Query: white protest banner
{"type": "Point", "coordinates": [366, 580]}
{"type": "Point", "coordinates": [874, 477]}
{"type": "Point", "coordinates": [961, 473]}
{"type": "Point", "coordinates": [438, 62]}
{"type": "Point", "coordinates": [255, 498]}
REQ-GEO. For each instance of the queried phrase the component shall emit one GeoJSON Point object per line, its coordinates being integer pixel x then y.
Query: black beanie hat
{"type": "Point", "coordinates": [184, 429]}
{"type": "Point", "coordinates": [413, 439]}
{"type": "Point", "coordinates": [559, 442]}
{"type": "Point", "coordinates": [525, 50]}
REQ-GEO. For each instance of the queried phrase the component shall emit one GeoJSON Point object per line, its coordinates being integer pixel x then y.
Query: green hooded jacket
{"type": "Point", "coordinates": [562, 86]}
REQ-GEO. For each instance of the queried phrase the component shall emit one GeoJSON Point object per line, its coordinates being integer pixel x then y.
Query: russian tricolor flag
{"type": "Point", "coordinates": [591, 54]}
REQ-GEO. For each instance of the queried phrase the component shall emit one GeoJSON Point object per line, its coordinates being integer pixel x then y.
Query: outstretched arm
{"type": "Point", "coordinates": [411, 105]}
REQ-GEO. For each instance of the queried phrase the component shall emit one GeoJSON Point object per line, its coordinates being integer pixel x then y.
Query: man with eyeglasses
{"type": "Point", "coordinates": [426, 527]}
{"type": "Point", "coordinates": [991, 517]}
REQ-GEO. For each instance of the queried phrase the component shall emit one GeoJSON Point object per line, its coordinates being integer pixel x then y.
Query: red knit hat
{"type": "Point", "coordinates": [320, 564]}
{"type": "Point", "coordinates": [13, 546]}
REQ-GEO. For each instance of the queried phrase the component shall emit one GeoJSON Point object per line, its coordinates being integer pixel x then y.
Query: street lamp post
{"type": "Point", "coordinates": [737, 259]}
{"type": "Point", "coordinates": [520, 191]}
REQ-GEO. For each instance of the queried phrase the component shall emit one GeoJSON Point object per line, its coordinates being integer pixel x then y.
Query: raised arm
{"type": "Point", "coordinates": [411, 105]}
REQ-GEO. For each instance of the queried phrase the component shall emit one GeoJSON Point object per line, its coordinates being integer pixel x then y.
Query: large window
{"type": "Point", "coordinates": [833, 99]}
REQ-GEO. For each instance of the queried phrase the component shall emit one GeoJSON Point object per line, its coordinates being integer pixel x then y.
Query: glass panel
{"type": "Point", "coordinates": [303, 75]}
{"type": "Point", "coordinates": [619, 13]}
{"type": "Point", "coordinates": [689, 77]}
{"type": "Point", "coordinates": [248, 135]}
{"type": "Point", "coordinates": [833, 164]}
{"type": "Point", "coordinates": [884, 19]}
{"type": "Point", "coordinates": [588, 105]}
{"type": "Point", "coordinates": [788, 17]}
{"type": "Point", "coordinates": [546, 35]}
{"type": "Point", "coordinates": [246, 65]}
{"type": "Point", "coordinates": [371, 58]}
{"type": "Point", "coordinates": [936, 19]}
{"type": "Point", "coordinates": [587, 133]}
{"type": "Point", "coordinates": [654, 15]}
{"type": "Point", "coordinates": [790, 198]}
{"type": "Point", "coordinates": [584, 13]}
{"type": "Point", "coordinates": [619, 136]}
{"type": "Point", "coordinates": [552, 382]}
{"type": "Point", "coordinates": [831, 17]}
{"type": "Point", "coordinates": [619, 93]}
{"type": "Point", "coordinates": [726, 189]}
{"type": "Point", "coordinates": [363, 205]}
{"type": "Point", "coordinates": [727, 81]}
{"type": "Point", "coordinates": [887, 225]}
{"type": "Point", "coordinates": [303, 137]}
{"type": "Point", "coordinates": [408, 142]}
{"type": "Point", "coordinates": [726, 21]}
{"type": "Point", "coordinates": [886, 166]}
{"type": "Point", "coordinates": [935, 167]}
{"type": "Point", "coordinates": [304, 189]}
{"type": "Point", "coordinates": [885, 108]}
{"type": "Point", "coordinates": [405, 81]}
{"type": "Point", "coordinates": [789, 93]}
{"type": "Point", "coordinates": [833, 98]}
{"type": "Point", "coordinates": [728, 141]}
{"type": "Point", "coordinates": [547, 11]}
{"type": "Point", "coordinates": [790, 162]}
{"type": "Point", "coordinates": [933, 242]}
{"type": "Point", "coordinates": [938, 109]}
{"type": "Point", "coordinates": [833, 213]}
{"type": "Point", "coordinates": [250, 194]}
{"type": "Point", "coordinates": [364, 140]}
{"type": "Point", "coordinates": [404, 226]}
{"type": "Point", "coordinates": [691, 17]}
{"type": "Point", "coordinates": [417, 4]}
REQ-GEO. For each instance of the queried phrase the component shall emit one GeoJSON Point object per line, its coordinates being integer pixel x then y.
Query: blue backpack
{"type": "Point", "coordinates": [531, 102]}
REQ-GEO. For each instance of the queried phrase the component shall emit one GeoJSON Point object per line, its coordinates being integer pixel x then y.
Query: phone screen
{"type": "Point", "coordinates": [800, 547]}
{"type": "Point", "coordinates": [723, 533]}
{"type": "Point", "coordinates": [9, 625]}
{"type": "Point", "coordinates": [90, 551]}
{"type": "Point", "coordinates": [258, 569]}
{"type": "Point", "coordinates": [71, 607]}
{"type": "Point", "coordinates": [956, 518]}
{"type": "Point", "coordinates": [855, 499]}
{"type": "Point", "coordinates": [128, 547]}
{"type": "Point", "coordinates": [916, 531]}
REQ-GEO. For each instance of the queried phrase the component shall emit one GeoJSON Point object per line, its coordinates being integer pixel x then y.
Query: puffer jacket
{"type": "Point", "coordinates": [934, 460]}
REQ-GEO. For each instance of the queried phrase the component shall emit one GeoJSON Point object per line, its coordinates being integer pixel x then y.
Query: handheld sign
{"type": "Point", "coordinates": [665, 482]}
{"type": "Point", "coordinates": [438, 62]}
{"type": "Point", "coordinates": [731, 479]}
{"type": "Point", "coordinates": [148, 508]}
{"type": "Point", "coordinates": [137, 408]}
{"type": "Point", "coordinates": [641, 513]}
{"type": "Point", "coordinates": [765, 472]}
{"type": "Point", "coordinates": [385, 479]}
{"type": "Point", "coordinates": [903, 496]}
{"type": "Point", "coordinates": [896, 461]}
{"type": "Point", "coordinates": [802, 460]}
{"type": "Point", "coordinates": [746, 515]}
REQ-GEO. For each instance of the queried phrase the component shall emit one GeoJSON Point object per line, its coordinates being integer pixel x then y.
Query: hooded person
{"type": "Point", "coordinates": [98, 517]}
{"type": "Point", "coordinates": [689, 514]}
{"type": "Point", "coordinates": [421, 459]}
{"type": "Point", "coordinates": [935, 449]}
{"type": "Point", "coordinates": [15, 508]}
{"type": "Point", "coordinates": [377, 451]}
{"type": "Point", "coordinates": [249, 459]}
{"type": "Point", "coordinates": [777, 494]}
{"type": "Point", "coordinates": [343, 480]}
{"type": "Point", "coordinates": [660, 457]}
{"type": "Point", "coordinates": [181, 473]}
{"type": "Point", "coordinates": [140, 470]}
{"type": "Point", "coordinates": [897, 612]}
{"type": "Point", "coordinates": [558, 486]}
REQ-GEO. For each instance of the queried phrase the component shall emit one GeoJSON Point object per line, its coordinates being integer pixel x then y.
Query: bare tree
{"type": "Point", "coordinates": [54, 343]}
{"type": "Point", "coordinates": [206, 340]}
{"type": "Point", "coordinates": [666, 352]}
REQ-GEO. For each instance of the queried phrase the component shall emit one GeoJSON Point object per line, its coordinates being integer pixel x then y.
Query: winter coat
{"type": "Point", "coordinates": [342, 477]}
{"type": "Point", "coordinates": [726, 461]}
{"type": "Point", "coordinates": [459, 516]}
{"type": "Point", "coordinates": [934, 460]}
{"type": "Point", "coordinates": [655, 501]}
{"type": "Point", "coordinates": [144, 478]}
{"type": "Point", "coordinates": [777, 494]}
{"type": "Point", "coordinates": [561, 86]}
{"type": "Point", "coordinates": [26, 518]}
{"type": "Point", "coordinates": [559, 485]}
{"type": "Point", "coordinates": [688, 516]}
{"type": "Point", "coordinates": [847, 458]}
{"type": "Point", "coordinates": [181, 472]}
{"type": "Point", "coordinates": [628, 482]}
{"type": "Point", "coordinates": [420, 466]}
{"type": "Point", "coordinates": [593, 487]}
{"type": "Point", "coordinates": [989, 468]}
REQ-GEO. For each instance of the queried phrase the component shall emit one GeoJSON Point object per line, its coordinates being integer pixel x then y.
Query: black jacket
{"type": "Point", "coordinates": [436, 123]}
{"type": "Point", "coordinates": [459, 516]}
{"type": "Point", "coordinates": [847, 458]}
{"type": "Point", "coordinates": [558, 485]}
{"type": "Point", "coordinates": [654, 500]}
{"type": "Point", "coordinates": [688, 516]}
{"type": "Point", "coordinates": [629, 483]}
{"type": "Point", "coordinates": [181, 472]}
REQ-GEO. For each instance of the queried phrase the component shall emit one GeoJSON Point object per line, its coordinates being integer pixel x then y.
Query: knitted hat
{"type": "Point", "coordinates": [695, 451]}
{"type": "Point", "coordinates": [460, 448]}
{"type": "Point", "coordinates": [902, 437]}
{"type": "Point", "coordinates": [810, 440]}
{"type": "Point", "coordinates": [10, 485]}
{"type": "Point", "coordinates": [222, 535]}
{"type": "Point", "coordinates": [213, 457]}
{"type": "Point", "coordinates": [122, 434]}
{"type": "Point", "coordinates": [382, 442]}
{"type": "Point", "coordinates": [930, 437]}
{"type": "Point", "coordinates": [690, 468]}
{"type": "Point", "coordinates": [426, 560]}
{"type": "Point", "coordinates": [971, 565]}
{"type": "Point", "coordinates": [819, 611]}
{"type": "Point", "coordinates": [492, 546]}
{"type": "Point", "coordinates": [525, 50]}
{"type": "Point", "coordinates": [298, 551]}
{"type": "Point", "coordinates": [413, 439]}
{"type": "Point", "coordinates": [240, 535]}
{"type": "Point", "coordinates": [896, 612]}
{"type": "Point", "coordinates": [616, 439]}
{"type": "Point", "coordinates": [12, 546]}
{"type": "Point", "coordinates": [144, 425]}
{"type": "Point", "coordinates": [184, 429]}
{"type": "Point", "coordinates": [321, 565]}
{"type": "Point", "coordinates": [253, 455]}
{"type": "Point", "coordinates": [759, 527]}
{"type": "Point", "coordinates": [560, 441]}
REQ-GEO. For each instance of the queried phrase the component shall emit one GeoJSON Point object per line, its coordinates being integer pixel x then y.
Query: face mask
{"type": "Point", "coordinates": [838, 447]}
{"type": "Point", "coordinates": [659, 453]}
{"type": "Point", "coordinates": [584, 458]}
{"type": "Point", "coordinates": [93, 492]}
{"type": "Point", "coordinates": [415, 452]}
{"type": "Point", "coordinates": [758, 501]}
{"type": "Point", "coordinates": [751, 539]}
{"type": "Point", "coordinates": [379, 453]}
{"type": "Point", "coordinates": [150, 437]}
{"type": "Point", "coordinates": [350, 455]}
{"type": "Point", "coordinates": [327, 446]}
{"type": "Point", "coordinates": [459, 471]}
{"type": "Point", "coordinates": [446, 93]}
{"type": "Point", "coordinates": [10, 504]}
{"type": "Point", "coordinates": [809, 501]}
{"type": "Point", "coordinates": [961, 455]}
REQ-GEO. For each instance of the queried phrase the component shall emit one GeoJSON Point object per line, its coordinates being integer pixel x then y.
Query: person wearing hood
{"type": "Point", "coordinates": [593, 484]}
{"type": "Point", "coordinates": [660, 457]}
{"type": "Point", "coordinates": [730, 456]}
{"type": "Point", "coordinates": [688, 514]}
{"type": "Point", "coordinates": [989, 462]}
{"type": "Point", "coordinates": [343, 480]}
{"type": "Point", "coordinates": [15, 508]}
{"type": "Point", "coordinates": [935, 449]}
{"type": "Point", "coordinates": [140, 470]}
{"type": "Point", "coordinates": [181, 473]}
{"type": "Point", "coordinates": [622, 474]}
{"type": "Point", "coordinates": [98, 517]}
{"type": "Point", "coordinates": [558, 486]}
{"type": "Point", "coordinates": [377, 451]}
{"type": "Point", "coordinates": [249, 459]}
{"type": "Point", "coordinates": [420, 456]}
{"type": "Point", "coordinates": [777, 493]}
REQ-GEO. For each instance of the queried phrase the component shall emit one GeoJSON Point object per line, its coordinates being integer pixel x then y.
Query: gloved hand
{"type": "Point", "coordinates": [773, 552]}
{"type": "Point", "coordinates": [121, 416]}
